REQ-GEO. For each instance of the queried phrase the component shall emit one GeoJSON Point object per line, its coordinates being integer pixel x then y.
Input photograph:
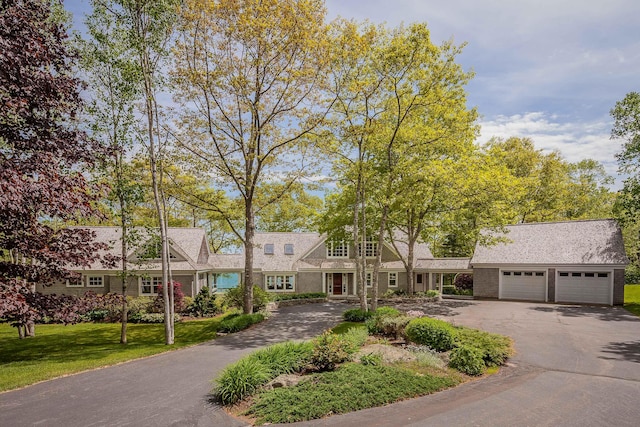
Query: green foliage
{"type": "Point", "coordinates": [382, 314]}
{"type": "Point", "coordinates": [240, 379]}
{"type": "Point", "coordinates": [387, 311]}
{"type": "Point", "coordinates": [426, 355]}
{"type": "Point", "coordinates": [632, 299]}
{"type": "Point", "coordinates": [237, 322]}
{"type": "Point", "coordinates": [343, 327]}
{"type": "Point", "coordinates": [284, 358]}
{"type": "Point", "coordinates": [234, 298]}
{"type": "Point", "coordinates": [329, 350]}
{"type": "Point", "coordinates": [203, 305]}
{"type": "Point", "coordinates": [467, 359]}
{"type": "Point", "coordinates": [372, 359]}
{"type": "Point", "coordinates": [353, 339]}
{"type": "Point", "coordinates": [150, 318]}
{"type": "Point", "coordinates": [351, 387]}
{"type": "Point", "coordinates": [139, 305]}
{"type": "Point", "coordinates": [494, 349]}
{"type": "Point", "coordinates": [286, 297]}
{"type": "Point", "coordinates": [393, 326]}
{"type": "Point", "coordinates": [434, 333]}
{"type": "Point", "coordinates": [356, 315]}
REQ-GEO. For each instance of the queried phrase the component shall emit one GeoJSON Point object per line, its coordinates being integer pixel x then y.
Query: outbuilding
{"type": "Point", "coordinates": [565, 262]}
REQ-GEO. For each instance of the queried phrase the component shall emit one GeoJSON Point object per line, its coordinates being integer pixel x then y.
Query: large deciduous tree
{"type": "Point", "coordinates": [42, 158]}
{"type": "Point", "coordinates": [248, 74]}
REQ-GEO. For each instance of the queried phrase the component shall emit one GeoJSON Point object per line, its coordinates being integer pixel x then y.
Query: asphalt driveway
{"type": "Point", "coordinates": [575, 366]}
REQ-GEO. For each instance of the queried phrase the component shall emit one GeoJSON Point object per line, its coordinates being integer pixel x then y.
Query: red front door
{"type": "Point", "coordinates": [337, 283]}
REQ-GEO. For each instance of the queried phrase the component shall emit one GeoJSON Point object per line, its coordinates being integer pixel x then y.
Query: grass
{"type": "Point", "coordinates": [350, 388]}
{"type": "Point", "coordinates": [632, 299]}
{"type": "Point", "coordinates": [59, 350]}
{"type": "Point", "coordinates": [345, 326]}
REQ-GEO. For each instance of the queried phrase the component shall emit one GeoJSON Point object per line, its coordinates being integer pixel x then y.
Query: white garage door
{"type": "Point", "coordinates": [524, 285]}
{"type": "Point", "coordinates": [584, 287]}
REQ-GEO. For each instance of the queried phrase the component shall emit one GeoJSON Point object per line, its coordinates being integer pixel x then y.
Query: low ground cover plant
{"type": "Point", "coordinates": [236, 322]}
{"type": "Point", "coordinates": [287, 297]}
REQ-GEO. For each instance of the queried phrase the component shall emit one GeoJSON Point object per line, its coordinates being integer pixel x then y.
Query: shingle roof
{"type": "Point", "coordinates": [188, 242]}
{"type": "Point", "coordinates": [596, 242]}
{"type": "Point", "coordinates": [455, 264]}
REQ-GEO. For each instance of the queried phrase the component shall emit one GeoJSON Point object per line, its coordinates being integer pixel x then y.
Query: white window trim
{"type": "Point", "coordinates": [152, 279]}
{"type": "Point", "coordinates": [368, 279]}
{"type": "Point", "coordinates": [79, 283]}
{"type": "Point", "coordinates": [274, 279]}
{"type": "Point", "coordinates": [369, 244]}
{"type": "Point", "coordinates": [332, 246]}
{"type": "Point", "coordinates": [395, 279]}
{"type": "Point", "coordinates": [92, 276]}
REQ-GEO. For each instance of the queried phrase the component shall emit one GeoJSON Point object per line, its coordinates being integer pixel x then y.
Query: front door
{"type": "Point", "coordinates": [337, 283]}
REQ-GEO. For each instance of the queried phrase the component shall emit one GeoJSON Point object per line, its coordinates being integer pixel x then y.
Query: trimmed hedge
{"type": "Point", "coordinates": [238, 322]}
{"type": "Point", "coordinates": [437, 334]}
{"type": "Point", "coordinates": [287, 297]}
{"type": "Point", "coordinates": [356, 315]}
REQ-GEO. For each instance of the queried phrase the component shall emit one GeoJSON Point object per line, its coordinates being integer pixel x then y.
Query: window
{"type": "Point", "coordinates": [74, 282]}
{"type": "Point", "coordinates": [528, 273]}
{"type": "Point", "coordinates": [419, 278]}
{"type": "Point", "coordinates": [589, 275]}
{"type": "Point", "coordinates": [288, 248]}
{"type": "Point", "coordinates": [337, 250]}
{"type": "Point", "coordinates": [539, 273]}
{"type": "Point", "coordinates": [224, 281]}
{"type": "Point", "coordinates": [564, 274]}
{"type": "Point", "coordinates": [603, 274]}
{"type": "Point", "coordinates": [369, 279]}
{"type": "Point", "coordinates": [393, 280]}
{"type": "Point", "coordinates": [280, 283]}
{"type": "Point", "coordinates": [506, 273]}
{"type": "Point", "coordinates": [576, 274]}
{"type": "Point", "coordinates": [150, 285]}
{"type": "Point", "coordinates": [517, 273]}
{"type": "Point", "coordinates": [95, 281]}
{"type": "Point", "coordinates": [370, 249]}
{"type": "Point", "coordinates": [268, 249]}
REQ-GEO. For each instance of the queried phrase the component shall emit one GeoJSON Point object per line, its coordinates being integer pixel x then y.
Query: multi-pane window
{"type": "Point", "coordinates": [369, 279]}
{"type": "Point", "coordinates": [95, 281]}
{"type": "Point", "coordinates": [75, 282]}
{"type": "Point", "coordinates": [370, 249]}
{"type": "Point", "coordinates": [150, 285]}
{"type": "Point", "coordinates": [393, 280]}
{"type": "Point", "coordinates": [280, 283]}
{"type": "Point", "coordinates": [337, 250]}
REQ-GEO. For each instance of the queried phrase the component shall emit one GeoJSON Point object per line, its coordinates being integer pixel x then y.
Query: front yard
{"type": "Point", "coordinates": [59, 350]}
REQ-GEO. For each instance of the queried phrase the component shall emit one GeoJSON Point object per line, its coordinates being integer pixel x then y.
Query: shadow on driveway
{"type": "Point", "coordinates": [629, 351]}
{"type": "Point", "coordinates": [615, 314]}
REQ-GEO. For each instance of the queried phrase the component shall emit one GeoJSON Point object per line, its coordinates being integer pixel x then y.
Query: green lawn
{"type": "Point", "coordinates": [58, 350]}
{"type": "Point", "coordinates": [632, 298]}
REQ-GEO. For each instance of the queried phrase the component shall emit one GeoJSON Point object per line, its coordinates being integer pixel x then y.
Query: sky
{"type": "Point", "coordinates": [550, 70]}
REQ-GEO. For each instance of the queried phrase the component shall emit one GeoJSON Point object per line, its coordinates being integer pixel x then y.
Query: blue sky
{"type": "Point", "coordinates": [548, 70]}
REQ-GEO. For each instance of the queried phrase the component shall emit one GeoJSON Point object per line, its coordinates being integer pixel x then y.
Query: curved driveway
{"type": "Point", "coordinates": [575, 366]}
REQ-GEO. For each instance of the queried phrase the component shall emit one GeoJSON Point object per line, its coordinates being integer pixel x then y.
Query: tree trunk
{"type": "Point", "coordinates": [249, 234]}
{"type": "Point", "coordinates": [124, 275]}
{"type": "Point", "coordinates": [378, 261]}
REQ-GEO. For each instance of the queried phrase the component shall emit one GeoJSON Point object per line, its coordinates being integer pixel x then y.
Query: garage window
{"type": "Point", "coordinates": [506, 273]}
{"type": "Point", "coordinates": [576, 274]}
{"type": "Point", "coordinates": [603, 274]}
{"type": "Point", "coordinates": [517, 273]}
{"type": "Point", "coordinates": [539, 273]}
{"type": "Point", "coordinates": [589, 275]}
{"type": "Point", "coordinates": [564, 274]}
{"type": "Point", "coordinates": [528, 273]}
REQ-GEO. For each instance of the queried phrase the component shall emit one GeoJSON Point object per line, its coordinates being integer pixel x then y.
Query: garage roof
{"type": "Point", "coordinates": [591, 242]}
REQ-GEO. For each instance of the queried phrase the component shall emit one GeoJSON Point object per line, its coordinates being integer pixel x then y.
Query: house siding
{"type": "Point", "coordinates": [618, 286]}
{"type": "Point", "coordinates": [309, 282]}
{"type": "Point", "coordinates": [486, 282]}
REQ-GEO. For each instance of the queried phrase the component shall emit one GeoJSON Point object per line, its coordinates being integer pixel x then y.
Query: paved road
{"type": "Point", "coordinates": [575, 366]}
{"type": "Point", "coordinates": [171, 389]}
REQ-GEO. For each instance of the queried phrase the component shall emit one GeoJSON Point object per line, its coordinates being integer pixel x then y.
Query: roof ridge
{"type": "Point", "coordinates": [568, 221]}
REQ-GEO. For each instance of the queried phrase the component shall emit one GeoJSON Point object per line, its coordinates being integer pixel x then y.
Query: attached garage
{"type": "Point", "coordinates": [579, 262]}
{"type": "Point", "coordinates": [523, 285]}
{"type": "Point", "coordinates": [586, 287]}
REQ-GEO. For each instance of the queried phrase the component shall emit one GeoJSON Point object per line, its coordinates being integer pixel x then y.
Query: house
{"type": "Point", "coordinates": [573, 261]}
{"type": "Point", "coordinates": [188, 252]}
{"type": "Point", "coordinates": [308, 262]}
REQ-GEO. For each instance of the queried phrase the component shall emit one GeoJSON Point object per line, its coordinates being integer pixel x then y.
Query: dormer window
{"type": "Point", "coordinates": [268, 249]}
{"type": "Point", "coordinates": [288, 248]}
{"type": "Point", "coordinates": [337, 249]}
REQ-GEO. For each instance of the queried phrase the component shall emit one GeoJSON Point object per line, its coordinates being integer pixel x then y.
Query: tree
{"type": "Point", "coordinates": [42, 156]}
{"type": "Point", "coordinates": [248, 75]}
{"type": "Point", "coordinates": [296, 211]}
{"type": "Point", "coordinates": [114, 81]}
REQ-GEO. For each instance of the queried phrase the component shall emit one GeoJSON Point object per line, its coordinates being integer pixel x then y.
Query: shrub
{"type": "Point", "coordinates": [432, 293]}
{"type": "Point", "coordinates": [240, 379]}
{"type": "Point", "coordinates": [234, 297]}
{"type": "Point", "coordinates": [178, 299]}
{"type": "Point", "coordinates": [353, 339]}
{"type": "Point", "coordinates": [203, 305]}
{"type": "Point", "coordinates": [387, 311]}
{"type": "Point", "coordinates": [434, 333]}
{"type": "Point", "coordinates": [393, 326]}
{"type": "Point", "coordinates": [238, 322]}
{"type": "Point", "coordinates": [463, 282]}
{"type": "Point", "coordinates": [286, 297]}
{"type": "Point", "coordinates": [150, 318]}
{"type": "Point", "coordinates": [448, 290]}
{"type": "Point", "coordinates": [138, 305]}
{"type": "Point", "coordinates": [328, 351]}
{"type": "Point", "coordinates": [372, 359]}
{"type": "Point", "coordinates": [284, 358]}
{"type": "Point", "coordinates": [467, 359]}
{"type": "Point", "coordinates": [374, 323]}
{"type": "Point", "coordinates": [356, 315]}
{"type": "Point", "coordinates": [495, 349]}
